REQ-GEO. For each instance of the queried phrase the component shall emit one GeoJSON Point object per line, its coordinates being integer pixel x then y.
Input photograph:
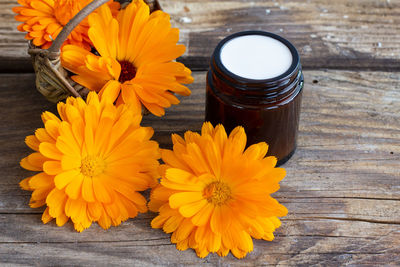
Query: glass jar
{"type": "Point", "coordinates": [268, 109]}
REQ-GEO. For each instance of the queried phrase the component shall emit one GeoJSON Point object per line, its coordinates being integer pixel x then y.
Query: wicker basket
{"type": "Point", "coordinates": [52, 80]}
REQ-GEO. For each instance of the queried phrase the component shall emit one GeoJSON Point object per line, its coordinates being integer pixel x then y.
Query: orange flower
{"type": "Point", "coordinates": [214, 196]}
{"type": "Point", "coordinates": [135, 64]}
{"type": "Point", "coordinates": [92, 162]}
{"type": "Point", "coordinates": [43, 20]}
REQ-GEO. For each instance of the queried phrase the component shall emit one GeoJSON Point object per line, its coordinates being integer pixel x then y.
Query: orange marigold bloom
{"type": "Point", "coordinates": [214, 196]}
{"type": "Point", "coordinates": [92, 162]}
{"type": "Point", "coordinates": [43, 20]}
{"type": "Point", "coordinates": [135, 64]}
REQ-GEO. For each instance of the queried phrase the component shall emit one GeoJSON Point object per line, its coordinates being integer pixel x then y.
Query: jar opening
{"type": "Point", "coordinates": [256, 57]}
{"type": "Point", "coordinates": [222, 53]}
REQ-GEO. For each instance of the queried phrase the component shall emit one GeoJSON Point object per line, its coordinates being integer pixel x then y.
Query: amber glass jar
{"type": "Point", "coordinates": [268, 109]}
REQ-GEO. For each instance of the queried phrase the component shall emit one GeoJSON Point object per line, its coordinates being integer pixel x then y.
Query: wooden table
{"type": "Point", "coordinates": [343, 184]}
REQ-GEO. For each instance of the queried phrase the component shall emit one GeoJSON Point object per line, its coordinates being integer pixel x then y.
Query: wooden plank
{"type": "Point", "coordinates": [342, 187]}
{"type": "Point", "coordinates": [298, 242]}
{"type": "Point", "coordinates": [13, 56]}
{"type": "Point", "coordinates": [329, 34]}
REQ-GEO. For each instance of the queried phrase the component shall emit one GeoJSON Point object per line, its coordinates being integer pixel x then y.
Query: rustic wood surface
{"type": "Point", "coordinates": [342, 187]}
{"type": "Point", "coordinates": [335, 34]}
{"type": "Point", "coordinates": [343, 184]}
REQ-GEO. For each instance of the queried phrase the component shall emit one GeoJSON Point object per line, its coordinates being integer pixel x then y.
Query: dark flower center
{"type": "Point", "coordinates": [128, 71]}
{"type": "Point", "coordinates": [217, 193]}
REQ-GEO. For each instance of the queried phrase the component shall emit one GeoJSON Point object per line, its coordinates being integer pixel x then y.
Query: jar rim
{"type": "Point", "coordinates": [290, 71]}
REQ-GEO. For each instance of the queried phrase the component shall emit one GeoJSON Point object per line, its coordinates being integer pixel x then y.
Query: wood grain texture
{"type": "Point", "coordinates": [357, 34]}
{"type": "Point", "coordinates": [342, 186]}
{"type": "Point", "coordinates": [328, 34]}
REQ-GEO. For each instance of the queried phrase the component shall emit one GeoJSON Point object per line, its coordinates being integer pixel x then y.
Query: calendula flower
{"type": "Point", "coordinates": [214, 196]}
{"type": "Point", "coordinates": [43, 20]}
{"type": "Point", "coordinates": [134, 65]}
{"type": "Point", "coordinates": [92, 162]}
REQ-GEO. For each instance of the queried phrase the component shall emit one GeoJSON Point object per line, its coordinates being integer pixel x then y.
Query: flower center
{"type": "Point", "coordinates": [92, 166]}
{"type": "Point", "coordinates": [217, 193]}
{"type": "Point", "coordinates": [128, 71]}
{"type": "Point", "coordinates": [65, 10]}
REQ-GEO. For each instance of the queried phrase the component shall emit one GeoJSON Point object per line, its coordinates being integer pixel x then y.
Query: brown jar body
{"type": "Point", "coordinates": [269, 110]}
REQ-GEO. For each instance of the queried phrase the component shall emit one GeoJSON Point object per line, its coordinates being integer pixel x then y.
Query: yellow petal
{"type": "Point", "coordinates": [178, 176]}
{"type": "Point", "coordinates": [172, 224]}
{"type": "Point", "coordinates": [130, 207]}
{"type": "Point", "coordinates": [217, 221]}
{"type": "Point", "coordinates": [42, 135]}
{"type": "Point", "coordinates": [113, 211]}
{"type": "Point", "coordinates": [277, 174]}
{"type": "Point", "coordinates": [256, 151]}
{"type": "Point", "coordinates": [203, 216]}
{"type": "Point", "coordinates": [87, 190]}
{"type": "Point", "coordinates": [24, 184]}
{"type": "Point", "coordinates": [207, 129]}
{"type": "Point", "coordinates": [28, 166]}
{"type": "Point", "coordinates": [184, 229]}
{"type": "Point", "coordinates": [155, 109]}
{"type": "Point", "coordinates": [41, 180]}
{"type": "Point", "coordinates": [52, 128]}
{"type": "Point", "coordinates": [104, 221]}
{"type": "Point", "coordinates": [236, 142]}
{"type": "Point", "coordinates": [55, 199]}
{"type": "Point", "coordinates": [101, 193]}
{"type": "Point", "coordinates": [73, 207]}
{"type": "Point", "coordinates": [61, 220]}
{"type": "Point", "coordinates": [179, 199]}
{"type": "Point", "coordinates": [32, 142]}
{"type": "Point", "coordinates": [74, 188]}
{"type": "Point", "coordinates": [110, 91]}
{"type": "Point", "coordinates": [64, 178]}
{"type": "Point", "coordinates": [191, 209]}
{"type": "Point", "coordinates": [95, 209]}
{"type": "Point", "coordinates": [50, 150]}
{"type": "Point", "coordinates": [52, 167]}
{"type": "Point", "coordinates": [213, 157]}
{"type": "Point", "coordinates": [182, 245]}
{"type": "Point", "coordinates": [220, 137]}
{"type": "Point", "coordinates": [276, 222]}
{"type": "Point", "coordinates": [214, 242]}
{"type": "Point", "coordinates": [69, 162]}
{"type": "Point", "coordinates": [46, 216]}
{"type": "Point", "coordinates": [269, 236]}
{"type": "Point", "coordinates": [170, 158]}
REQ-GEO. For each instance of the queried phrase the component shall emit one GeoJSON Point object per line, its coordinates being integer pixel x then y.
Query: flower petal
{"type": "Point", "coordinates": [74, 188]}
{"type": "Point", "coordinates": [179, 199]}
{"type": "Point", "coordinates": [87, 190]}
{"type": "Point", "coordinates": [50, 150]}
{"type": "Point", "coordinates": [64, 178]}
{"type": "Point", "coordinates": [192, 208]}
{"type": "Point", "coordinates": [52, 167]}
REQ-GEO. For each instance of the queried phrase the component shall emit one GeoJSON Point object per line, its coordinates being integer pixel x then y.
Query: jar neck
{"type": "Point", "coordinates": [248, 91]}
